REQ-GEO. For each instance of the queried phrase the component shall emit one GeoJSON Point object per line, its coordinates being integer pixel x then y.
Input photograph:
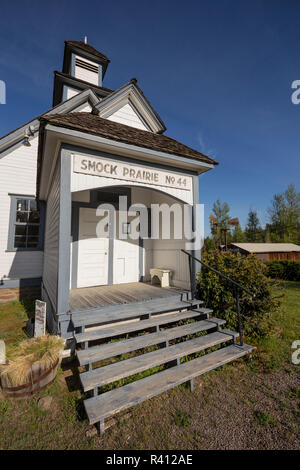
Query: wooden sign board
{"type": "Point", "coordinates": [2, 352]}
{"type": "Point", "coordinates": [128, 172]}
{"type": "Point", "coordinates": [40, 318]}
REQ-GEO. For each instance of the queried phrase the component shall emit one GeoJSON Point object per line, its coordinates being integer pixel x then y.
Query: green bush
{"type": "Point", "coordinates": [285, 269]}
{"type": "Point", "coordinates": [219, 293]}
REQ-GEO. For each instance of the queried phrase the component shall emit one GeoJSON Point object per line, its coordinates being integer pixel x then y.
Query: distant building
{"type": "Point", "coordinates": [268, 251]}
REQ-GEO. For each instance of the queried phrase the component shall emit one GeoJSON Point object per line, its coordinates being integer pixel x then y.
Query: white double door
{"type": "Point", "coordinates": [96, 260]}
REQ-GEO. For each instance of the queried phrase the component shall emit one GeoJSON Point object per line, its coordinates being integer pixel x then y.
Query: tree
{"type": "Point", "coordinates": [221, 212]}
{"type": "Point", "coordinates": [267, 235]}
{"type": "Point", "coordinates": [292, 203]}
{"type": "Point", "coordinates": [284, 216]}
{"type": "Point", "coordinates": [219, 221]}
{"type": "Point", "coordinates": [238, 235]}
{"type": "Point", "coordinates": [209, 245]}
{"type": "Point", "coordinates": [253, 230]}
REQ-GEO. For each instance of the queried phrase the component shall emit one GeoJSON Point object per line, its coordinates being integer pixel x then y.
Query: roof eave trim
{"type": "Point", "coordinates": [198, 164]}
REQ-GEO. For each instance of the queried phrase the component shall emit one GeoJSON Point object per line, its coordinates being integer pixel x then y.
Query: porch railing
{"type": "Point", "coordinates": [236, 285]}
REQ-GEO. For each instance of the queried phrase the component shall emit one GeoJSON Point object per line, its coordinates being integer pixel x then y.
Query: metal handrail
{"type": "Point", "coordinates": [237, 287]}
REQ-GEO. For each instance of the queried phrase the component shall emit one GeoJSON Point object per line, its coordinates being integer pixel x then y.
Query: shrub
{"type": "Point", "coordinates": [285, 269]}
{"type": "Point", "coordinates": [219, 294]}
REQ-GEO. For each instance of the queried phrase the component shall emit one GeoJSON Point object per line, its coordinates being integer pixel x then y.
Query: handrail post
{"type": "Point", "coordinates": [237, 299]}
{"type": "Point", "coordinates": [192, 280]}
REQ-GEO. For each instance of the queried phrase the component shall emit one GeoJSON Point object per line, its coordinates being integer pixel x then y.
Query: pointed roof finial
{"type": "Point", "coordinates": [85, 39]}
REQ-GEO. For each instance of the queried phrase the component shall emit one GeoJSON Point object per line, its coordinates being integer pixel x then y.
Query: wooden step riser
{"type": "Point", "coordinates": [106, 351]}
{"type": "Point", "coordinates": [168, 355]}
{"type": "Point", "coordinates": [136, 326]}
{"type": "Point", "coordinates": [116, 313]}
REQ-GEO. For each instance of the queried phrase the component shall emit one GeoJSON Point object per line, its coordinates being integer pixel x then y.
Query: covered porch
{"type": "Point", "coordinates": [85, 269]}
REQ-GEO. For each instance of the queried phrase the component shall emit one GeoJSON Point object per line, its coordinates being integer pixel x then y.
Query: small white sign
{"type": "Point", "coordinates": [2, 352]}
{"type": "Point", "coordinates": [124, 171]}
{"type": "Point", "coordinates": [40, 318]}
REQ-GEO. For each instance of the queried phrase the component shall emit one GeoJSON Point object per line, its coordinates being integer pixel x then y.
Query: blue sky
{"type": "Point", "coordinates": [218, 72]}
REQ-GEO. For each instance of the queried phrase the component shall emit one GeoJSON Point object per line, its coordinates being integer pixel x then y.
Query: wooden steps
{"type": "Point", "coordinates": [130, 311]}
{"type": "Point", "coordinates": [99, 353]}
{"type": "Point", "coordinates": [102, 406]}
{"type": "Point", "coordinates": [119, 370]}
{"type": "Point", "coordinates": [135, 326]}
{"type": "Point", "coordinates": [173, 319]}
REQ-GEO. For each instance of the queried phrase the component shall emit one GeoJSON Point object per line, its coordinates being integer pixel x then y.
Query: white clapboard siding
{"type": "Point", "coordinates": [87, 75]}
{"type": "Point", "coordinates": [127, 115]}
{"type": "Point", "coordinates": [51, 249]}
{"type": "Point", "coordinates": [17, 176]}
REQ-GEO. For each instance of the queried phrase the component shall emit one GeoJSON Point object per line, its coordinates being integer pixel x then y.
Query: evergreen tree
{"type": "Point", "coordinates": [220, 222]}
{"type": "Point", "coordinates": [292, 202]}
{"type": "Point", "coordinates": [238, 235]}
{"type": "Point", "coordinates": [253, 229]}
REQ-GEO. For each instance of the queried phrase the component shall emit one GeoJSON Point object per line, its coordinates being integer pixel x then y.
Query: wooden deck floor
{"type": "Point", "coordinates": [103, 296]}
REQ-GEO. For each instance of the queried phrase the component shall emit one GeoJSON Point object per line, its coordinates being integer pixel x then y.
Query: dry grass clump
{"type": "Point", "coordinates": [44, 349]}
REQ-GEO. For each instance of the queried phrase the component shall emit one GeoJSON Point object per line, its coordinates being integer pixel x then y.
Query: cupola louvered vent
{"type": "Point", "coordinates": [87, 70]}
{"type": "Point", "coordinates": [86, 65]}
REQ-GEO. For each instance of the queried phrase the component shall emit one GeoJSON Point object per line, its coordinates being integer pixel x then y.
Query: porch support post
{"type": "Point", "coordinates": [197, 252]}
{"type": "Point", "coordinates": [110, 276]}
{"type": "Point", "coordinates": [65, 208]}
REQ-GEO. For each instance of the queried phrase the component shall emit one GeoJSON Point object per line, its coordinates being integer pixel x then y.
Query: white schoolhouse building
{"type": "Point", "coordinates": [68, 179]}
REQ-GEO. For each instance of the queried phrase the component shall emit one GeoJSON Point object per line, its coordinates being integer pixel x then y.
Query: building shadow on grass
{"type": "Point", "coordinates": [71, 374]}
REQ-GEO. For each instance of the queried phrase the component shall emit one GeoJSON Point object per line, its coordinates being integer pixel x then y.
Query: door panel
{"type": "Point", "coordinates": [126, 258]}
{"type": "Point", "coordinates": [92, 251]}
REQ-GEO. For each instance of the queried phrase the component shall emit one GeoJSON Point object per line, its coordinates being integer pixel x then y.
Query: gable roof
{"type": "Point", "coordinates": [267, 247]}
{"type": "Point", "coordinates": [92, 124]}
{"type": "Point", "coordinates": [131, 92]}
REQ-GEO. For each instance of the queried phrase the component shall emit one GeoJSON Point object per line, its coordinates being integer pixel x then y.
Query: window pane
{"type": "Point", "coordinates": [33, 230]}
{"type": "Point", "coordinates": [34, 217]}
{"type": "Point", "coordinates": [22, 217]}
{"type": "Point", "coordinates": [32, 242]}
{"type": "Point", "coordinates": [21, 230]}
{"type": "Point", "coordinates": [22, 204]}
{"type": "Point", "coordinates": [20, 242]}
{"type": "Point", "coordinates": [27, 223]}
{"type": "Point", "coordinates": [33, 205]}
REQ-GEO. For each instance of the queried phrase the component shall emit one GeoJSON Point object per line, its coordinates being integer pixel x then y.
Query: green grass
{"type": "Point", "coordinates": [275, 351]}
{"type": "Point", "coordinates": [13, 317]}
{"type": "Point", "coordinates": [295, 393]}
{"type": "Point", "coordinates": [181, 419]}
{"type": "Point", "coordinates": [263, 418]}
